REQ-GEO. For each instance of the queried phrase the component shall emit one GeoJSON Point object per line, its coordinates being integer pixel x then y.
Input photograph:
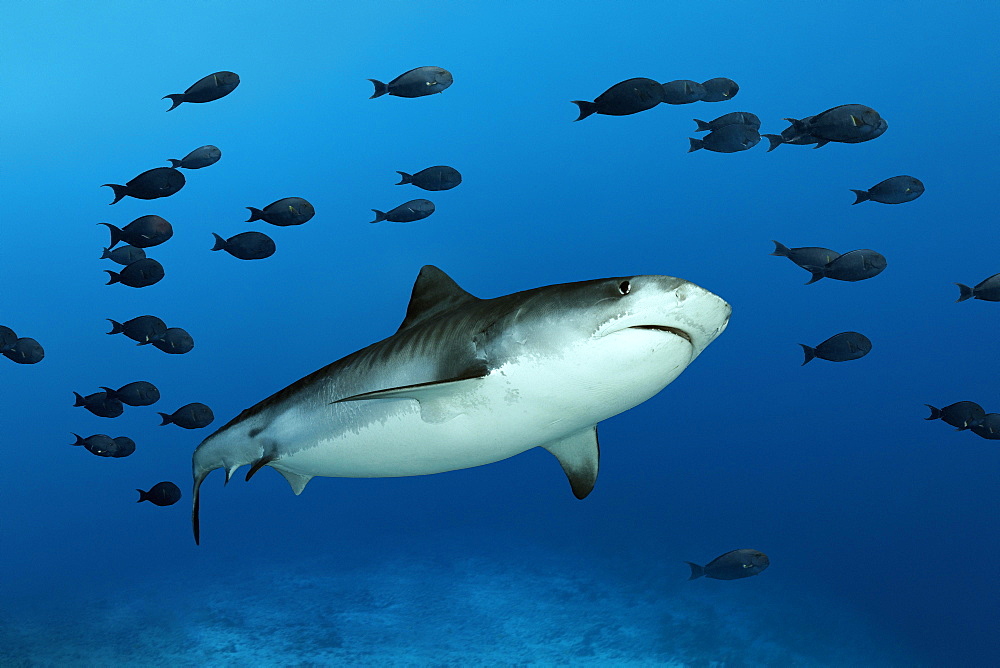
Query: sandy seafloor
{"type": "Point", "coordinates": [525, 608]}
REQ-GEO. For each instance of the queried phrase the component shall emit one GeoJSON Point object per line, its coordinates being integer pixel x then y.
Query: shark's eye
{"type": "Point", "coordinates": [624, 287]}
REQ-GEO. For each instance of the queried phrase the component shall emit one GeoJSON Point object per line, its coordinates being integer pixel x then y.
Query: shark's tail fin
{"type": "Point", "coordinates": [199, 477]}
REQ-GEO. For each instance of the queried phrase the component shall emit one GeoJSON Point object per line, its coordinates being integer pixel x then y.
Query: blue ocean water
{"type": "Point", "coordinates": [881, 527]}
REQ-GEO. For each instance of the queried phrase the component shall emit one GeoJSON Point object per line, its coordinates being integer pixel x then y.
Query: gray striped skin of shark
{"type": "Point", "coordinates": [466, 381]}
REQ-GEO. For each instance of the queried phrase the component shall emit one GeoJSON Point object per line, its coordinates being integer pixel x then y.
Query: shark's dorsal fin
{"type": "Point", "coordinates": [579, 454]}
{"type": "Point", "coordinates": [434, 292]}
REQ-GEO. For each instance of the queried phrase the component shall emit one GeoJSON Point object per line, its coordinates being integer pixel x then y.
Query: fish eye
{"type": "Point", "coordinates": [624, 287]}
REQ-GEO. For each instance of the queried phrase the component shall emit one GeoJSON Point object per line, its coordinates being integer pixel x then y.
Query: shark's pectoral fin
{"type": "Point", "coordinates": [579, 455]}
{"type": "Point", "coordinates": [296, 480]}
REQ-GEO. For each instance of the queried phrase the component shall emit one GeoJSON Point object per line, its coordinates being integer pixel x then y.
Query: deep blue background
{"type": "Point", "coordinates": [828, 468]}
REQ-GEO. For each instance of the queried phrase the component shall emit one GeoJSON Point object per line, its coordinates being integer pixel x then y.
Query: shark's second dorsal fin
{"type": "Point", "coordinates": [433, 292]}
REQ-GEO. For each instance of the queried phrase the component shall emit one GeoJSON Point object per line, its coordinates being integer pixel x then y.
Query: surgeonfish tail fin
{"type": "Point", "coordinates": [696, 570]}
{"type": "Point", "coordinates": [255, 214]}
{"type": "Point", "coordinates": [810, 354]}
{"type": "Point", "coordinates": [776, 141]}
{"type": "Point", "coordinates": [862, 196]}
{"type": "Point", "coordinates": [405, 178]}
{"type": "Point", "coordinates": [116, 233]}
{"type": "Point", "coordinates": [935, 413]}
{"type": "Point", "coordinates": [120, 191]}
{"type": "Point", "coordinates": [816, 275]}
{"type": "Point", "coordinates": [964, 292]}
{"type": "Point", "coordinates": [175, 100]}
{"type": "Point", "coordinates": [113, 277]}
{"type": "Point", "coordinates": [380, 89]}
{"type": "Point", "coordinates": [695, 144]}
{"type": "Point", "coordinates": [379, 216]}
{"type": "Point", "coordinates": [142, 496]}
{"type": "Point", "coordinates": [116, 327]}
{"type": "Point", "coordinates": [106, 254]}
{"type": "Point", "coordinates": [220, 243]}
{"type": "Point", "coordinates": [586, 109]}
{"type": "Point", "coordinates": [79, 400]}
{"type": "Point", "coordinates": [780, 249]}
{"type": "Point", "coordinates": [166, 419]}
{"type": "Point", "coordinates": [111, 393]}
{"type": "Point", "coordinates": [702, 126]}
{"type": "Point", "coordinates": [79, 439]}
{"type": "Point", "coordinates": [174, 163]}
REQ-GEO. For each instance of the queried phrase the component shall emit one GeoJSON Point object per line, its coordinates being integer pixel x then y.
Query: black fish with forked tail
{"type": "Point", "coordinates": [206, 89]}
{"type": "Point", "coordinates": [151, 184]}
{"type": "Point", "coordinates": [731, 565]}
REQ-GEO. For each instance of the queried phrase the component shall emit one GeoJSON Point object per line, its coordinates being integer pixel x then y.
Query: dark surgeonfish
{"type": "Point", "coordinates": [100, 404]}
{"type": "Point", "coordinates": [732, 118]}
{"type": "Point", "coordinates": [138, 393]}
{"type": "Point", "coordinates": [143, 232]}
{"type": "Point", "coordinates": [101, 445]}
{"type": "Point", "coordinates": [415, 209]}
{"type": "Point", "coordinates": [440, 177]}
{"type": "Point", "coordinates": [25, 350]}
{"type": "Point", "coordinates": [727, 139]}
{"type": "Point", "coordinates": [140, 274]}
{"type": "Point", "coordinates": [151, 184]}
{"type": "Point", "coordinates": [142, 329]}
{"type": "Point", "coordinates": [284, 212]}
{"type": "Point", "coordinates": [846, 123]}
{"type": "Point", "coordinates": [807, 257]}
{"type": "Point", "coordinates": [161, 494]}
{"type": "Point", "coordinates": [961, 415]}
{"type": "Point", "coordinates": [841, 347]}
{"type": "Point", "coordinates": [175, 341]}
{"type": "Point", "coordinates": [988, 427]}
{"type": "Point", "coordinates": [203, 156]}
{"type": "Point", "coordinates": [246, 245]}
{"type": "Point", "coordinates": [124, 255]}
{"type": "Point", "coordinates": [206, 89]}
{"type": "Point", "coordinates": [988, 290]}
{"type": "Point", "coordinates": [731, 565]}
{"type": "Point", "coordinates": [856, 265]}
{"type": "Point", "coordinates": [191, 416]}
{"type": "Point", "coordinates": [719, 89]}
{"type": "Point", "coordinates": [418, 82]}
{"type": "Point", "coordinates": [894, 190]}
{"type": "Point", "coordinates": [682, 91]}
{"type": "Point", "coordinates": [624, 98]}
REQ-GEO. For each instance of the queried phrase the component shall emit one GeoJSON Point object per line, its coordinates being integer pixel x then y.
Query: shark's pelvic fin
{"type": "Point", "coordinates": [434, 292]}
{"type": "Point", "coordinates": [259, 464]}
{"type": "Point", "coordinates": [297, 481]}
{"type": "Point", "coordinates": [579, 455]}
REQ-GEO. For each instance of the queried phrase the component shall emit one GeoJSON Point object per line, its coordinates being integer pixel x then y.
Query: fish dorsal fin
{"type": "Point", "coordinates": [434, 292]}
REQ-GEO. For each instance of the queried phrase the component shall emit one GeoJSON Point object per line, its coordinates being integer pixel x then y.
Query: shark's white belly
{"type": "Point", "coordinates": [513, 409]}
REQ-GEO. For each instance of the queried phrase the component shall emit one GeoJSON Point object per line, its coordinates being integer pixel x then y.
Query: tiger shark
{"type": "Point", "coordinates": [466, 381]}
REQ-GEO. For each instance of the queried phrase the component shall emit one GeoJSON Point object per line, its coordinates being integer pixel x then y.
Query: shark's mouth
{"type": "Point", "coordinates": [663, 328]}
